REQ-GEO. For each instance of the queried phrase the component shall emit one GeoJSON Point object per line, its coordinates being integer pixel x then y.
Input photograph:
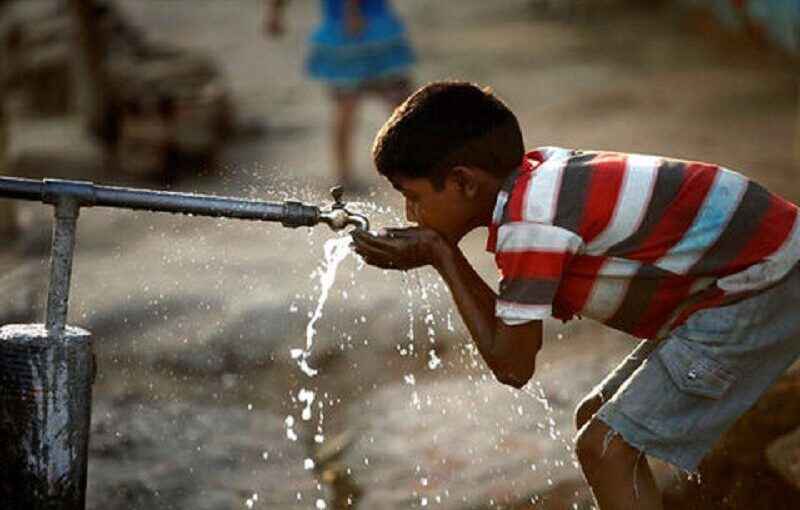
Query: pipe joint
{"type": "Point", "coordinates": [297, 214]}
{"type": "Point", "coordinates": [57, 191]}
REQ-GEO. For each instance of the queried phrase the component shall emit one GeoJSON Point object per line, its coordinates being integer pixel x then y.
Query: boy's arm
{"type": "Point", "coordinates": [509, 351]}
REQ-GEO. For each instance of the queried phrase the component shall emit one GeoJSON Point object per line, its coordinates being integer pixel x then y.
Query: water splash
{"type": "Point", "coordinates": [336, 250]}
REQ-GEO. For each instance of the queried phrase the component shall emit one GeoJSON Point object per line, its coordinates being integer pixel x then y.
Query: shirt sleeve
{"type": "Point", "coordinates": [531, 258]}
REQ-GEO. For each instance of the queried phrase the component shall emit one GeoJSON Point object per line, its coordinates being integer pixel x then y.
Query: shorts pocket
{"type": "Point", "coordinates": [680, 390]}
{"type": "Point", "coordinates": [693, 371]}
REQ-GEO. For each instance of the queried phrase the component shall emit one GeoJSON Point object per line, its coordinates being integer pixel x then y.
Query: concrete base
{"type": "Point", "coordinates": [45, 411]}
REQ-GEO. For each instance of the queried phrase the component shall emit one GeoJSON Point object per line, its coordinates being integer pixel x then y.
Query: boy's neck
{"type": "Point", "coordinates": [488, 200]}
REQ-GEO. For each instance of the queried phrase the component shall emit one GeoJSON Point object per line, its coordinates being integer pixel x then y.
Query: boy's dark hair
{"type": "Point", "coordinates": [446, 124]}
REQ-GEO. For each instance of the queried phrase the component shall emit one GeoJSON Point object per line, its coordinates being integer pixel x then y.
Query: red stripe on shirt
{"type": "Point", "coordinates": [535, 155]}
{"type": "Point", "coordinates": [714, 297]}
{"type": "Point", "coordinates": [602, 196]}
{"type": "Point", "coordinates": [577, 282]}
{"type": "Point", "coordinates": [774, 228]}
{"type": "Point", "coordinates": [680, 214]}
{"type": "Point", "coordinates": [671, 293]}
{"type": "Point", "coordinates": [516, 200]}
{"type": "Point", "coordinates": [532, 264]}
{"type": "Point", "coordinates": [491, 240]}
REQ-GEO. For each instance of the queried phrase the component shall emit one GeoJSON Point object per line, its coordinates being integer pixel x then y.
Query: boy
{"type": "Point", "coordinates": [695, 258]}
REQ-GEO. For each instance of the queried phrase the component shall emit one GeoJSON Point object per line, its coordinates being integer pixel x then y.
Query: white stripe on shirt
{"type": "Point", "coordinates": [519, 236]}
{"type": "Point", "coordinates": [542, 194]}
{"type": "Point", "coordinates": [516, 313]}
{"type": "Point", "coordinates": [609, 289]}
{"type": "Point", "coordinates": [634, 197]}
{"type": "Point", "coordinates": [499, 208]}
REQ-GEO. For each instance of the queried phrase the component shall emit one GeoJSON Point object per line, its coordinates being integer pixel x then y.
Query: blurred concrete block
{"type": "Point", "coordinates": [784, 457]}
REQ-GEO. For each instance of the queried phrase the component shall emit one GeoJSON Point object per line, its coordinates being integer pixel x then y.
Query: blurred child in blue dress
{"type": "Point", "coordinates": [359, 48]}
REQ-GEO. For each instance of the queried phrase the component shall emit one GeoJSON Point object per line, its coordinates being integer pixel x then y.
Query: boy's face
{"type": "Point", "coordinates": [451, 211]}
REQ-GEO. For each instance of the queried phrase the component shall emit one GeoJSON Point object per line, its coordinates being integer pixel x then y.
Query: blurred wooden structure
{"type": "Point", "coordinates": [150, 105]}
{"type": "Point", "coordinates": [8, 216]}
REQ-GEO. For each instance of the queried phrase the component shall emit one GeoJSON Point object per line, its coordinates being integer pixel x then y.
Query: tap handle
{"type": "Point", "coordinates": [337, 192]}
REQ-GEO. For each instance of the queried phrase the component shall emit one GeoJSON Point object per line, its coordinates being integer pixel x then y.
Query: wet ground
{"type": "Point", "coordinates": [199, 404]}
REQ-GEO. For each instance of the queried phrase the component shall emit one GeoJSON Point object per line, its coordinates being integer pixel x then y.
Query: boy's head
{"type": "Point", "coordinates": [447, 148]}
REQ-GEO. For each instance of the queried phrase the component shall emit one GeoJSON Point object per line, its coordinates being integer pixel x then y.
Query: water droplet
{"type": "Point", "coordinates": [434, 362]}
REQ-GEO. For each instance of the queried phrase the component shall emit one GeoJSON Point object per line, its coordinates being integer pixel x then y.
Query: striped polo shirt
{"type": "Point", "coordinates": [635, 242]}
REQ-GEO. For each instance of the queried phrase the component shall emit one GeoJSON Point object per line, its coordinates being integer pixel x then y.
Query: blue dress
{"type": "Point", "coordinates": [381, 51]}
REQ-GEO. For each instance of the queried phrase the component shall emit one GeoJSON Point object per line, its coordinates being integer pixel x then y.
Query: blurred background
{"type": "Point", "coordinates": [198, 403]}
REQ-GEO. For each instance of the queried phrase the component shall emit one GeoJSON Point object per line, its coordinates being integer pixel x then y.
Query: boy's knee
{"type": "Point", "coordinates": [587, 409]}
{"type": "Point", "coordinates": [597, 445]}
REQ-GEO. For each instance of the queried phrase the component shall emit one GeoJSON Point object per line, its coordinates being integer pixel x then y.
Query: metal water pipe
{"type": "Point", "coordinates": [46, 370]}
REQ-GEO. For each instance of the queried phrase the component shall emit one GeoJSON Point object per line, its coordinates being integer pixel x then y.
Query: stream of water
{"type": "Point", "coordinates": [336, 251]}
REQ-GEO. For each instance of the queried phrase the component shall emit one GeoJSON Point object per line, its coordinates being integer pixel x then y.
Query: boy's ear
{"type": "Point", "coordinates": [466, 179]}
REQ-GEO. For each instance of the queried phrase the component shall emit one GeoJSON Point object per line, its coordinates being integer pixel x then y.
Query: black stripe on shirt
{"type": "Point", "coordinates": [574, 191]}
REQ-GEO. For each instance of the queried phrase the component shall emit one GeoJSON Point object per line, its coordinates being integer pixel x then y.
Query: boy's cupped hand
{"type": "Point", "coordinates": [398, 248]}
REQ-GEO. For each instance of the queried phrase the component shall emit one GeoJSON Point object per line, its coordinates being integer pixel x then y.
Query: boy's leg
{"type": "Point", "coordinates": [693, 387]}
{"type": "Point", "coordinates": [609, 386]}
{"type": "Point", "coordinates": [618, 473]}
{"type": "Point", "coordinates": [343, 126]}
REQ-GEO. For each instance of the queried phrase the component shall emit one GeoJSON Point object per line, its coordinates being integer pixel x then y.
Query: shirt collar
{"type": "Point", "coordinates": [529, 162]}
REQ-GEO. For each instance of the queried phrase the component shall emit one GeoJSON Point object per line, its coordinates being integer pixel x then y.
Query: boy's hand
{"type": "Point", "coordinates": [399, 248]}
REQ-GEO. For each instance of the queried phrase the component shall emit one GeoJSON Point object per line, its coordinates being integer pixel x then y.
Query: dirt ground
{"type": "Point", "coordinates": [174, 302]}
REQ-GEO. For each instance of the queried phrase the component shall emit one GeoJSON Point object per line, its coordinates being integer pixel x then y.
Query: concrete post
{"type": "Point", "coordinates": [45, 410]}
{"type": "Point", "coordinates": [46, 373]}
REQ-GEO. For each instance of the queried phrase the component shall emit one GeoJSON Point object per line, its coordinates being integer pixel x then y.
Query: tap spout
{"type": "Point", "coordinates": [338, 217]}
{"type": "Point", "coordinates": [359, 221]}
